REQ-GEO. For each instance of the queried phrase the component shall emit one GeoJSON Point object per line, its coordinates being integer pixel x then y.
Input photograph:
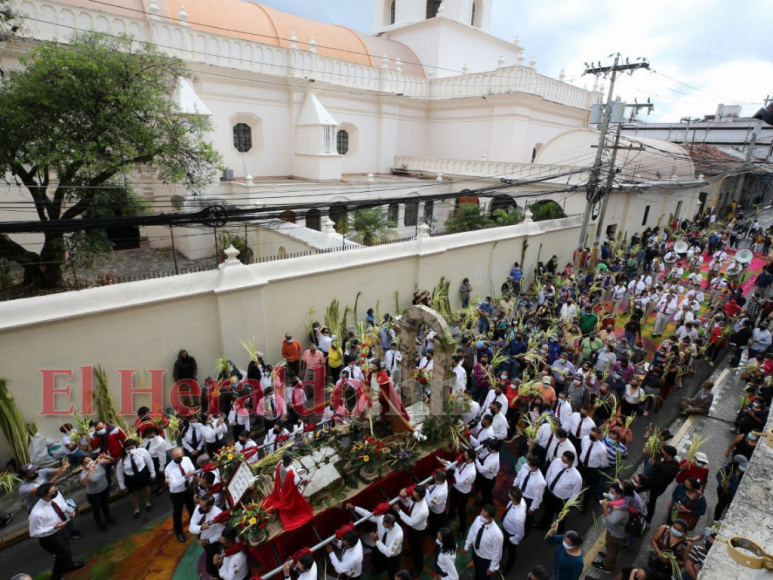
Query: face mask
{"type": "Point", "coordinates": [290, 340]}
{"type": "Point", "coordinates": [178, 460]}
{"type": "Point", "coordinates": [56, 493]}
{"type": "Point", "coordinates": [752, 437]}
{"type": "Point", "coordinates": [503, 377]}
{"type": "Point", "coordinates": [593, 438]}
{"type": "Point", "coordinates": [741, 468]}
{"type": "Point", "coordinates": [611, 496]}
{"type": "Point", "coordinates": [414, 499]}
{"type": "Point", "coordinates": [131, 451]}
{"type": "Point", "coordinates": [676, 533]}
{"type": "Point", "coordinates": [567, 546]}
{"type": "Point", "coordinates": [101, 431]}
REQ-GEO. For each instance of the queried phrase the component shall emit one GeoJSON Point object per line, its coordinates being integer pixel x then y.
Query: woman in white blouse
{"type": "Point", "coordinates": [135, 471]}
{"type": "Point", "coordinates": [214, 429]}
{"type": "Point", "coordinates": [445, 556]}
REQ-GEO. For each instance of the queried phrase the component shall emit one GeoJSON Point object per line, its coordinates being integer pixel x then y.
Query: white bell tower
{"type": "Point", "coordinates": [387, 13]}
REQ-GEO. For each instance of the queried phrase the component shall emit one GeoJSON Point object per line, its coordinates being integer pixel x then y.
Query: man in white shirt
{"type": "Point", "coordinates": [531, 483]}
{"type": "Point", "coordinates": [437, 496]}
{"type": "Point", "coordinates": [559, 445]}
{"type": "Point", "coordinates": [513, 527]}
{"type": "Point", "coordinates": [306, 566]}
{"type": "Point", "coordinates": [544, 438]}
{"type": "Point", "coordinates": [461, 376]}
{"type": "Point", "coordinates": [232, 561]}
{"type": "Point", "coordinates": [350, 562]}
{"type": "Point", "coordinates": [179, 476]}
{"type": "Point", "coordinates": [193, 439]}
{"type": "Point", "coordinates": [593, 457]}
{"type": "Point", "coordinates": [238, 418]}
{"type": "Point", "coordinates": [495, 393]}
{"type": "Point", "coordinates": [563, 483]}
{"type": "Point", "coordinates": [245, 443]}
{"type": "Point", "coordinates": [720, 255]}
{"type": "Point", "coordinates": [355, 372]}
{"type": "Point", "coordinates": [473, 413]}
{"type": "Point", "coordinates": [47, 520]}
{"type": "Point", "coordinates": [563, 412]}
{"type": "Point", "coordinates": [717, 288]}
{"type": "Point", "coordinates": [568, 311]}
{"type": "Point", "coordinates": [486, 540]}
{"type": "Point", "coordinates": [487, 464]}
{"type": "Point", "coordinates": [482, 432]}
{"type": "Point", "coordinates": [666, 309]}
{"type": "Point", "coordinates": [275, 437]}
{"type": "Point", "coordinates": [155, 445]}
{"type": "Point", "coordinates": [581, 425]}
{"type": "Point", "coordinates": [684, 315]}
{"type": "Point", "coordinates": [208, 531]}
{"type": "Point", "coordinates": [761, 340]}
{"type": "Point", "coordinates": [498, 421]}
{"type": "Point", "coordinates": [687, 330]}
{"type": "Point", "coordinates": [392, 359]}
{"type": "Point", "coordinates": [465, 473]}
{"type": "Point", "coordinates": [618, 293]}
{"type": "Point", "coordinates": [135, 471]}
{"type": "Point", "coordinates": [388, 540]}
{"type": "Point", "coordinates": [414, 512]}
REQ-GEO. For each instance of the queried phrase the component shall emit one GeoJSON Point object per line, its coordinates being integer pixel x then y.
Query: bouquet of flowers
{"type": "Point", "coordinates": [228, 458]}
{"type": "Point", "coordinates": [368, 453]}
{"type": "Point", "coordinates": [421, 375]}
{"type": "Point", "coordinates": [458, 404]}
{"type": "Point", "coordinates": [252, 520]}
{"type": "Point", "coordinates": [406, 457]}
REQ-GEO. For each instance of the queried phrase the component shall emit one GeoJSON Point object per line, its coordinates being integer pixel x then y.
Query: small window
{"type": "Point", "coordinates": [432, 7]}
{"type": "Point", "coordinates": [342, 141]}
{"type": "Point", "coordinates": [429, 208]}
{"type": "Point", "coordinates": [393, 212]}
{"type": "Point", "coordinates": [242, 137]}
{"type": "Point", "coordinates": [411, 213]}
{"type": "Point", "coordinates": [287, 216]}
{"type": "Point", "coordinates": [392, 13]}
{"type": "Point", "coordinates": [646, 215]}
{"type": "Point", "coordinates": [314, 220]}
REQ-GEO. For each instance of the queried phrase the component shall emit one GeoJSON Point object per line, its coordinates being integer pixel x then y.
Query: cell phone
{"type": "Point", "coordinates": [649, 426]}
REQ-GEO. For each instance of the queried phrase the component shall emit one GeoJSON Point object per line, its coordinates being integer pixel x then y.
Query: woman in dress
{"type": "Point", "coordinates": [135, 472]}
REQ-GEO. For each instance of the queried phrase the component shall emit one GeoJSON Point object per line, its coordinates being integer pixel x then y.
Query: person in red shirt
{"type": "Point", "coordinates": [732, 308]}
{"type": "Point", "coordinates": [147, 419]}
{"type": "Point", "coordinates": [697, 468]}
{"type": "Point", "coordinates": [109, 440]}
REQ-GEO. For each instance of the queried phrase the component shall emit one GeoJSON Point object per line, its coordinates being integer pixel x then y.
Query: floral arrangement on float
{"type": "Point", "coordinates": [458, 404]}
{"type": "Point", "coordinates": [251, 523]}
{"type": "Point", "coordinates": [421, 376]}
{"type": "Point", "coordinates": [367, 456]}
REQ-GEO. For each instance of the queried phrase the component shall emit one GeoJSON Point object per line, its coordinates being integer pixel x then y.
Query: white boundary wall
{"type": "Point", "coordinates": [142, 325]}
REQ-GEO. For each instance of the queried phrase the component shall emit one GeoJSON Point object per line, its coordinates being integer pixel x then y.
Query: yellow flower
{"type": "Point", "coordinates": [366, 459]}
{"type": "Point", "coordinates": [230, 456]}
{"type": "Point", "coordinates": [253, 521]}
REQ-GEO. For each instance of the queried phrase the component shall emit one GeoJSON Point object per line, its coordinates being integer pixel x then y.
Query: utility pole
{"type": "Point", "coordinates": [592, 195]}
{"type": "Point", "coordinates": [687, 130]}
{"type": "Point", "coordinates": [607, 191]}
{"type": "Point", "coordinates": [742, 178]}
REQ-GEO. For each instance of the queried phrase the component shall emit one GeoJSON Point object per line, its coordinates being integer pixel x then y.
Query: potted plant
{"type": "Point", "coordinates": [458, 404]}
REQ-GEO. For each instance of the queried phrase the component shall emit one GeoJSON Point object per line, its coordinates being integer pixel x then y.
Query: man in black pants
{"type": "Point", "coordinates": [179, 475]}
{"type": "Point", "coordinates": [486, 540]}
{"type": "Point", "coordinates": [513, 522]}
{"type": "Point", "coordinates": [531, 483]}
{"type": "Point", "coordinates": [487, 464]}
{"type": "Point", "coordinates": [663, 473]}
{"type": "Point", "coordinates": [414, 511]}
{"type": "Point", "coordinates": [563, 483]}
{"type": "Point", "coordinates": [464, 476]}
{"type": "Point", "coordinates": [47, 521]}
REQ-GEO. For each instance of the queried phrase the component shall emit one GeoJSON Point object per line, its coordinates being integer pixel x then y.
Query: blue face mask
{"type": "Point", "coordinates": [742, 468]}
{"type": "Point", "coordinates": [676, 533]}
{"type": "Point", "coordinates": [611, 496]}
{"type": "Point", "coordinates": [752, 437]}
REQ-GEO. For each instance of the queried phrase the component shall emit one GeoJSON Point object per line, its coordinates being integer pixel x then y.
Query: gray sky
{"type": "Point", "coordinates": [722, 48]}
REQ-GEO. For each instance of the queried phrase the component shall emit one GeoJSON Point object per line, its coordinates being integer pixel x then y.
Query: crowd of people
{"type": "Point", "coordinates": [556, 371]}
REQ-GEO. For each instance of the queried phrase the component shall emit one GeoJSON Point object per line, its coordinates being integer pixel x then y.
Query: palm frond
{"type": "Point", "coordinates": [249, 346]}
{"type": "Point", "coordinates": [575, 502]}
{"type": "Point", "coordinates": [695, 444]}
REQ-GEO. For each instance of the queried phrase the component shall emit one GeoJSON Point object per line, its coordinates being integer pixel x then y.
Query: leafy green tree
{"type": "Point", "coordinates": [468, 217]}
{"type": "Point", "coordinates": [11, 21]}
{"type": "Point", "coordinates": [546, 210]}
{"type": "Point", "coordinates": [371, 226]}
{"type": "Point", "coordinates": [78, 123]}
{"type": "Point", "coordinates": [501, 217]}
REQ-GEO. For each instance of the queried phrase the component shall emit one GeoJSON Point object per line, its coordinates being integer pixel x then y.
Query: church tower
{"type": "Point", "coordinates": [388, 13]}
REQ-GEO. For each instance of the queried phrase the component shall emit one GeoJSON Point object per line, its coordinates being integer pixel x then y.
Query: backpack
{"type": "Point", "coordinates": [635, 525]}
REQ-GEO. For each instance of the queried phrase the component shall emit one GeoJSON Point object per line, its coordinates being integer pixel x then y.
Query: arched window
{"type": "Point", "coordinates": [467, 200]}
{"type": "Point", "coordinates": [282, 252]}
{"type": "Point", "coordinates": [432, 8]}
{"type": "Point", "coordinates": [472, 18]}
{"type": "Point", "coordinates": [504, 202]}
{"type": "Point", "coordinates": [429, 208]}
{"type": "Point", "coordinates": [287, 216]}
{"type": "Point", "coordinates": [338, 214]}
{"type": "Point", "coordinates": [393, 212]}
{"type": "Point", "coordinates": [411, 213]}
{"type": "Point", "coordinates": [314, 219]}
{"type": "Point", "coordinates": [392, 13]}
{"type": "Point", "coordinates": [242, 137]}
{"type": "Point", "coordinates": [342, 142]}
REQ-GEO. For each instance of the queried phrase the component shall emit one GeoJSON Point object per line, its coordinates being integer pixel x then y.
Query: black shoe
{"type": "Point", "coordinates": [136, 515]}
{"type": "Point", "coordinates": [76, 565]}
{"type": "Point", "coordinates": [4, 522]}
{"type": "Point", "coordinates": [181, 538]}
{"type": "Point", "coordinates": [603, 554]}
{"type": "Point", "coordinates": [112, 522]}
{"type": "Point", "coordinates": [75, 534]}
{"type": "Point", "coordinates": [600, 566]}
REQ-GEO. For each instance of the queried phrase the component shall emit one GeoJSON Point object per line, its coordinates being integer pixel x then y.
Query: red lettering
{"type": "Point", "coordinates": [87, 389]}
{"type": "Point", "coordinates": [192, 390]}
{"type": "Point", "coordinates": [361, 396]}
{"type": "Point", "coordinates": [156, 390]}
{"type": "Point", "coordinates": [49, 392]}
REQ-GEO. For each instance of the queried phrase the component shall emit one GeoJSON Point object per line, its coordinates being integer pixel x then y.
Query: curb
{"type": "Point", "coordinates": [20, 535]}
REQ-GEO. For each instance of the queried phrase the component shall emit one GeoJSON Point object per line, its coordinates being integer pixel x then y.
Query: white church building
{"type": "Point", "coordinates": [430, 103]}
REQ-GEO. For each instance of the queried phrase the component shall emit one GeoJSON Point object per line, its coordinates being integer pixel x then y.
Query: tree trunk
{"type": "Point", "coordinates": [42, 270]}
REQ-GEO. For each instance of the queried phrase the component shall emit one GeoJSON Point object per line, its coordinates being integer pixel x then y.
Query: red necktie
{"type": "Point", "coordinates": [550, 440]}
{"type": "Point", "coordinates": [587, 454]}
{"type": "Point", "coordinates": [579, 426]}
{"type": "Point", "coordinates": [185, 478]}
{"type": "Point", "coordinates": [410, 507]}
{"type": "Point", "coordinates": [58, 511]}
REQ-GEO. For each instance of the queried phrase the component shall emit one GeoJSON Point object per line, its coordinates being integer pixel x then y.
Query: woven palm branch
{"type": "Point", "coordinates": [695, 444]}
{"type": "Point", "coordinates": [575, 502]}
{"type": "Point", "coordinates": [103, 401]}
{"type": "Point", "coordinates": [440, 300]}
{"type": "Point", "coordinates": [249, 346]}
{"type": "Point", "coordinates": [653, 444]}
{"type": "Point", "coordinates": [8, 481]}
{"type": "Point", "coordinates": [308, 322]}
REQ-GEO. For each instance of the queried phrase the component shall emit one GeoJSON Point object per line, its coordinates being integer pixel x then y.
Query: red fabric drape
{"type": "Point", "coordinates": [294, 510]}
{"type": "Point", "coordinates": [328, 521]}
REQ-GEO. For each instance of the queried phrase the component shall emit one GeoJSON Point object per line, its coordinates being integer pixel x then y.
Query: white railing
{"type": "Point", "coordinates": [491, 169]}
{"type": "Point", "coordinates": [57, 22]}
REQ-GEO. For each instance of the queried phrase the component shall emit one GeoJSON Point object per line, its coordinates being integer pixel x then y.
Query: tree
{"type": "Point", "coordinates": [78, 121]}
{"type": "Point", "coordinates": [546, 210]}
{"type": "Point", "coordinates": [512, 217]}
{"type": "Point", "coordinates": [372, 226]}
{"type": "Point", "coordinates": [468, 217]}
{"type": "Point", "coordinates": [10, 21]}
